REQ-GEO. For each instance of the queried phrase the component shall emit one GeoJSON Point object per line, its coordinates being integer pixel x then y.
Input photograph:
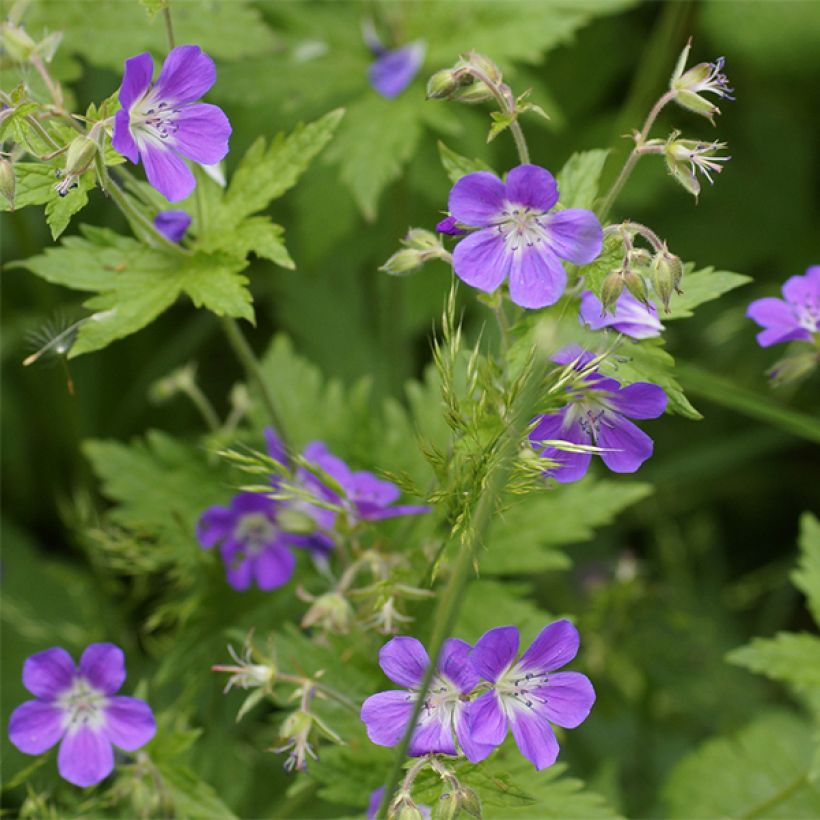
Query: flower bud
{"type": "Point", "coordinates": [484, 65]}
{"type": "Point", "coordinates": [403, 262]}
{"type": "Point", "coordinates": [421, 239]}
{"type": "Point", "coordinates": [409, 811]}
{"type": "Point", "coordinates": [665, 273]}
{"type": "Point", "coordinates": [332, 612]}
{"type": "Point", "coordinates": [611, 290]}
{"type": "Point", "coordinates": [793, 368]}
{"type": "Point", "coordinates": [8, 184]}
{"type": "Point", "coordinates": [444, 83]}
{"type": "Point", "coordinates": [470, 801]}
{"type": "Point", "coordinates": [475, 92]}
{"type": "Point", "coordinates": [448, 806]}
{"type": "Point", "coordinates": [16, 43]}
{"type": "Point", "coordinates": [635, 284]}
{"type": "Point", "coordinates": [79, 157]}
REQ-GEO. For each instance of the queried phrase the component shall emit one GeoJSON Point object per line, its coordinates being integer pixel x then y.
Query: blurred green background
{"type": "Point", "coordinates": [714, 545]}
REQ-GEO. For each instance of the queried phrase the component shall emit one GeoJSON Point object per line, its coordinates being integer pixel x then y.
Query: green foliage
{"type": "Point", "coordinates": [790, 657]}
{"type": "Point", "coordinates": [807, 575]}
{"type": "Point", "coordinates": [456, 165]}
{"type": "Point", "coordinates": [761, 771]}
{"type": "Point", "coordinates": [579, 179]}
{"type": "Point", "coordinates": [699, 287]}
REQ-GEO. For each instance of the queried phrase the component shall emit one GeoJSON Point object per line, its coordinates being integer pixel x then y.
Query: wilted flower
{"type": "Point", "coordinates": [700, 79]}
{"type": "Point", "coordinates": [597, 415]}
{"type": "Point", "coordinates": [173, 225]}
{"type": "Point", "coordinates": [393, 69]}
{"type": "Point", "coordinates": [529, 694]}
{"type": "Point", "coordinates": [631, 317]}
{"type": "Point", "coordinates": [684, 158]}
{"type": "Point", "coordinates": [518, 239]}
{"type": "Point", "coordinates": [386, 714]}
{"type": "Point", "coordinates": [78, 708]}
{"type": "Point", "coordinates": [162, 124]}
{"type": "Point", "coordinates": [795, 317]}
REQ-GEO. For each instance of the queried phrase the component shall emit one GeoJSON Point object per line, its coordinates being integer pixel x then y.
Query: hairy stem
{"type": "Point", "coordinates": [508, 108]}
{"type": "Point", "coordinates": [248, 359]}
{"type": "Point", "coordinates": [496, 480]}
{"type": "Point", "coordinates": [169, 27]}
{"type": "Point", "coordinates": [203, 405]}
{"type": "Point", "coordinates": [54, 89]}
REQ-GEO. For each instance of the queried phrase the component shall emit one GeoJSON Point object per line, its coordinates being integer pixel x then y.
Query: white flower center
{"type": "Point", "coordinates": [520, 226]}
{"type": "Point", "coordinates": [153, 119]}
{"type": "Point", "coordinates": [519, 687]}
{"type": "Point", "coordinates": [591, 412]}
{"type": "Point", "coordinates": [254, 531]}
{"type": "Point", "coordinates": [82, 705]}
{"type": "Point", "coordinates": [808, 314]}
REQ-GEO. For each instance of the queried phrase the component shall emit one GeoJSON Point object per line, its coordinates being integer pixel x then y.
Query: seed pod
{"type": "Point", "coordinates": [8, 184]}
{"type": "Point", "coordinates": [666, 272]}
{"type": "Point", "coordinates": [635, 284]}
{"type": "Point", "coordinates": [611, 289]}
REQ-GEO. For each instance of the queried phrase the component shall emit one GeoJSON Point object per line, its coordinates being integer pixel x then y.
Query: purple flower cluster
{"type": "Point", "coordinates": [78, 708]}
{"type": "Point", "coordinates": [517, 236]}
{"type": "Point", "coordinates": [480, 693]}
{"type": "Point", "coordinates": [598, 415]}
{"type": "Point", "coordinates": [795, 317]}
{"type": "Point", "coordinates": [162, 124]}
{"type": "Point", "coordinates": [254, 544]}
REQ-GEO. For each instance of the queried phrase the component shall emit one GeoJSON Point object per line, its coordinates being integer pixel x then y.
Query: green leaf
{"type": "Point", "coordinates": [807, 575]}
{"type": "Point", "coordinates": [59, 210]}
{"type": "Point", "coordinates": [458, 166]}
{"type": "Point", "coordinates": [501, 121]}
{"type": "Point", "coordinates": [580, 177]}
{"type": "Point", "coordinates": [267, 171]}
{"type": "Point", "coordinates": [789, 657]}
{"type": "Point", "coordinates": [191, 796]}
{"type": "Point", "coordinates": [610, 259]}
{"type": "Point", "coordinates": [255, 234]}
{"type": "Point", "coordinates": [135, 283]}
{"type": "Point", "coordinates": [761, 771]}
{"type": "Point", "coordinates": [699, 287]}
{"type": "Point", "coordinates": [153, 7]}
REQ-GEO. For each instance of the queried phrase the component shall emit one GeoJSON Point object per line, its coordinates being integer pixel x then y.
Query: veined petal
{"type": "Point", "coordinates": [630, 318]}
{"type": "Point", "coordinates": [482, 259]}
{"type": "Point", "coordinates": [129, 723]}
{"type": "Point", "coordinates": [474, 751]}
{"type": "Point", "coordinates": [487, 720]}
{"type": "Point", "coordinates": [202, 134]}
{"type": "Point", "coordinates": [166, 171]}
{"type": "Point", "coordinates": [571, 466]}
{"type": "Point", "coordinates": [273, 566]}
{"type": "Point", "coordinates": [103, 666]}
{"type": "Point", "coordinates": [386, 715]}
{"type": "Point", "coordinates": [394, 70]}
{"type": "Point", "coordinates": [532, 186]}
{"type": "Point", "coordinates": [494, 651]}
{"type": "Point", "coordinates": [433, 734]}
{"type": "Point", "coordinates": [627, 445]}
{"type": "Point", "coordinates": [48, 673]}
{"type": "Point", "coordinates": [85, 757]}
{"type": "Point", "coordinates": [476, 198]}
{"type": "Point", "coordinates": [567, 699]}
{"type": "Point", "coordinates": [136, 79]}
{"type": "Point", "coordinates": [404, 660]}
{"type": "Point", "coordinates": [575, 235]}
{"type": "Point", "coordinates": [187, 73]}
{"type": "Point", "coordinates": [779, 321]}
{"type": "Point", "coordinates": [454, 663]}
{"type": "Point", "coordinates": [555, 646]}
{"type": "Point", "coordinates": [641, 400]}
{"type": "Point", "coordinates": [35, 726]}
{"type": "Point", "coordinates": [537, 277]}
{"type": "Point", "coordinates": [121, 139]}
{"type": "Point", "coordinates": [534, 737]}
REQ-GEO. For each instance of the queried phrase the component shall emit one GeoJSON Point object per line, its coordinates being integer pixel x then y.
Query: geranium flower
{"type": "Point", "coordinates": [518, 238]}
{"type": "Point", "coordinates": [364, 496]}
{"type": "Point", "coordinates": [529, 694]}
{"type": "Point", "coordinates": [162, 124]}
{"type": "Point", "coordinates": [393, 69]}
{"type": "Point", "coordinates": [598, 414]}
{"type": "Point", "coordinates": [386, 714]}
{"type": "Point", "coordinates": [795, 317]}
{"type": "Point", "coordinates": [173, 225]}
{"type": "Point", "coordinates": [77, 708]}
{"type": "Point", "coordinates": [631, 317]}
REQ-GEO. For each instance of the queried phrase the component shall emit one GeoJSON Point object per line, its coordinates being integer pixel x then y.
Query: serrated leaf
{"type": "Point", "coordinates": [807, 575]}
{"type": "Point", "coordinates": [255, 234]}
{"type": "Point", "coordinates": [458, 166]}
{"type": "Point", "coordinates": [501, 120]}
{"type": "Point", "coordinates": [578, 180]}
{"type": "Point", "coordinates": [761, 771]}
{"type": "Point", "coordinates": [60, 209]}
{"type": "Point", "coordinates": [789, 657]}
{"type": "Point", "coordinates": [191, 796]}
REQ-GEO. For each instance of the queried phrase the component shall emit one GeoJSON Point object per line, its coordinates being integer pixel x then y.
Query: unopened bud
{"type": "Point", "coordinates": [444, 83]}
{"type": "Point", "coordinates": [403, 262]}
{"type": "Point", "coordinates": [448, 806]}
{"type": "Point", "coordinates": [611, 289]}
{"type": "Point", "coordinates": [409, 811]}
{"type": "Point", "coordinates": [16, 43]}
{"type": "Point", "coordinates": [470, 801]}
{"type": "Point", "coordinates": [475, 92]}
{"type": "Point", "coordinates": [793, 368]}
{"type": "Point", "coordinates": [666, 272]}
{"type": "Point", "coordinates": [8, 184]}
{"type": "Point", "coordinates": [639, 258]}
{"type": "Point", "coordinates": [332, 612]}
{"type": "Point", "coordinates": [421, 239]}
{"type": "Point", "coordinates": [79, 157]}
{"type": "Point", "coordinates": [635, 284]}
{"type": "Point", "coordinates": [483, 64]}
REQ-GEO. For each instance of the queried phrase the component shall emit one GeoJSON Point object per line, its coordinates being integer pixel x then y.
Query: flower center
{"type": "Point", "coordinates": [522, 686]}
{"type": "Point", "coordinates": [254, 531]}
{"type": "Point", "coordinates": [591, 412]}
{"type": "Point", "coordinates": [154, 118]}
{"type": "Point", "coordinates": [82, 705]}
{"type": "Point", "coordinates": [808, 314]}
{"type": "Point", "coordinates": [520, 226]}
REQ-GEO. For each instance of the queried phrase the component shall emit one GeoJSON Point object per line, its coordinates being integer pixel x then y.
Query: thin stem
{"type": "Point", "coordinates": [450, 603]}
{"type": "Point", "coordinates": [634, 155]}
{"type": "Point", "coordinates": [248, 359]}
{"type": "Point", "coordinates": [54, 89]}
{"type": "Point", "coordinates": [203, 405]}
{"type": "Point", "coordinates": [328, 691]}
{"type": "Point", "coordinates": [169, 27]}
{"type": "Point", "coordinates": [503, 327]}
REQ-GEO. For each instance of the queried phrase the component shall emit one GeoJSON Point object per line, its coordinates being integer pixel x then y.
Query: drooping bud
{"type": "Point", "coordinates": [79, 157]}
{"type": "Point", "coordinates": [421, 239]}
{"type": "Point", "coordinates": [332, 612]}
{"type": "Point", "coordinates": [420, 246]}
{"type": "Point", "coordinates": [8, 184]}
{"type": "Point", "coordinates": [470, 801]}
{"type": "Point", "coordinates": [446, 82]}
{"type": "Point", "coordinates": [475, 92]}
{"type": "Point", "coordinates": [484, 65]}
{"type": "Point", "coordinates": [666, 272]}
{"type": "Point", "coordinates": [409, 811]}
{"type": "Point", "coordinates": [403, 262]}
{"type": "Point", "coordinates": [793, 368]}
{"type": "Point", "coordinates": [611, 289]}
{"type": "Point", "coordinates": [16, 43]}
{"type": "Point", "coordinates": [448, 806]}
{"type": "Point", "coordinates": [635, 284]}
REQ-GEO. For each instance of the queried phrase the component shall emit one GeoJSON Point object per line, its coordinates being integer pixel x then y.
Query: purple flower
{"type": "Point", "coordinates": [598, 415]}
{"type": "Point", "coordinates": [393, 69]}
{"type": "Point", "coordinates": [77, 708]}
{"type": "Point", "coordinates": [795, 317]}
{"type": "Point", "coordinates": [518, 238]}
{"type": "Point", "coordinates": [364, 497]}
{"type": "Point", "coordinates": [449, 226]}
{"type": "Point", "coordinates": [172, 224]}
{"type": "Point", "coordinates": [386, 714]}
{"type": "Point", "coordinates": [161, 123]}
{"type": "Point", "coordinates": [631, 317]}
{"type": "Point", "coordinates": [252, 543]}
{"type": "Point", "coordinates": [529, 694]}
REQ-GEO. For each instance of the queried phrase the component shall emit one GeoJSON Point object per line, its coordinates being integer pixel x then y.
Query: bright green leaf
{"type": "Point", "coordinates": [458, 166]}
{"type": "Point", "coordinates": [578, 180]}
{"type": "Point", "coordinates": [807, 575]}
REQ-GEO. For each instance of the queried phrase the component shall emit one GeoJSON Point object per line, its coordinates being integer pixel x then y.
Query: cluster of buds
{"type": "Point", "coordinates": [688, 85]}
{"type": "Point", "coordinates": [22, 48]}
{"type": "Point", "coordinates": [420, 246]}
{"type": "Point", "coordinates": [470, 80]}
{"type": "Point", "coordinates": [663, 269]}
